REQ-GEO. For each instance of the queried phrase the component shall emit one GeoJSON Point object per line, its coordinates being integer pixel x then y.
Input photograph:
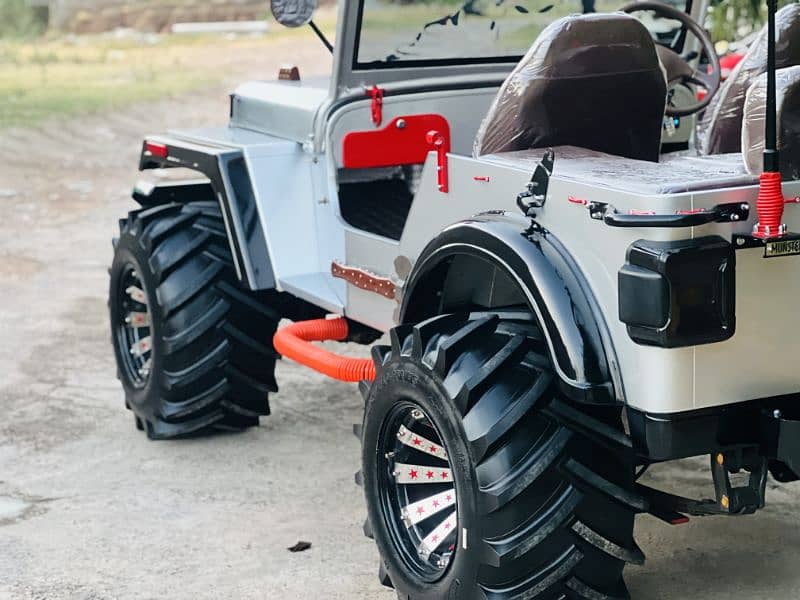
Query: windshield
{"type": "Point", "coordinates": [393, 32]}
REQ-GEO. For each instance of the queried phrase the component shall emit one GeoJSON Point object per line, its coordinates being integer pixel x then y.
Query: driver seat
{"type": "Point", "coordinates": [592, 81]}
{"type": "Point", "coordinates": [720, 130]}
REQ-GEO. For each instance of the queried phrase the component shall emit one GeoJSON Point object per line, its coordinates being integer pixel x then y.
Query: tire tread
{"type": "Point", "coordinates": [185, 250]}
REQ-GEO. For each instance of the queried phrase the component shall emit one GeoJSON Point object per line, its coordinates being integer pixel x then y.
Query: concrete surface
{"type": "Point", "coordinates": [89, 509]}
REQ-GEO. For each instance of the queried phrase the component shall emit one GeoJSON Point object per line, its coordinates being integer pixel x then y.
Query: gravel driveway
{"type": "Point", "coordinates": [90, 509]}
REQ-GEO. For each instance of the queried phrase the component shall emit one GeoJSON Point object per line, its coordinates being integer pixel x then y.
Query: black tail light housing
{"type": "Point", "coordinates": [676, 294]}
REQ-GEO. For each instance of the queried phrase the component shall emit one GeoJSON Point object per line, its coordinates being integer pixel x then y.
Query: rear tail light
{"type": "Point", "coordinates": [674, 294]}
{"type": "Point", "coordinates": [156, 149]}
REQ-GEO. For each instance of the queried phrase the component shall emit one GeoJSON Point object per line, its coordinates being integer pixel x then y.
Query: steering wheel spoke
{"type": "Point", "coordinates": [700, 79]}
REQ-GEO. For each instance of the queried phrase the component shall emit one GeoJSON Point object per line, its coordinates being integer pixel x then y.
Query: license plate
{"type": "Point", "coordinates": [782, 248]}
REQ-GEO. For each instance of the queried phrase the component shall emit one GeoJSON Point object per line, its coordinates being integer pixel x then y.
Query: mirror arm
{"type": "Point", "coordinates": [321, 36]}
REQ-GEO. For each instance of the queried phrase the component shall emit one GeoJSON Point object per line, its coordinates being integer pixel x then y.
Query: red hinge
{"type": "Point", "coordinates": [376, 94]}
{"type": "Point", "coordinates": [439, 143]}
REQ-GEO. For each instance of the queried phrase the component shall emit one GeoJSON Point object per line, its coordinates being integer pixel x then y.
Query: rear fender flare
{"type": "Point", "coordinates": [552, 286]}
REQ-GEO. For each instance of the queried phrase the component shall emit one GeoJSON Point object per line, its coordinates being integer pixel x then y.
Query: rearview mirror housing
{"type": "Point", "coordinates": [293, 13]}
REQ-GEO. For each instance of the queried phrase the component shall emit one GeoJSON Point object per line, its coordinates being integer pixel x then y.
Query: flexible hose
{"type": "Point", "coordinates": [770, 204]}
{"type": "Point", "coordinates": [294, 342]}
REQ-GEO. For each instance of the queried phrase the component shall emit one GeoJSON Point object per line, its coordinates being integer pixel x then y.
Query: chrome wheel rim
{"type": "Point", "coordinates": [133, 332]}
{"type": "Point", "coordinates": [418, 492]}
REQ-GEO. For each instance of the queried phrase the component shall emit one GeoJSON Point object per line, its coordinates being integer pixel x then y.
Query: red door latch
{"type": "Point", "coordinates": [376, 94]}
{"type": "Point", "coordinates": [439, 142]}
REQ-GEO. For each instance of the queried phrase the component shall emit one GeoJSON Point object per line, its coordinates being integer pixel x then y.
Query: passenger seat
{"type": "Point", "coordinates": [788, 101]}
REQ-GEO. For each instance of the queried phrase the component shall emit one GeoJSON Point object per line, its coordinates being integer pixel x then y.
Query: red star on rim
{"type": "Point", "coordinates": [435, 504]}
{"type": "Point", "coordinates": [413, 474]}
{"type": "Point", "coordinates": [433, 448]}
{"type": "Point", "coordinates": [435, 538]}
{"type": "Point", "coordinates": [449, 498]}
{"type": "Point", "coordinates": [417, 442]}
{"type": "Point", "coordinates": [444, 475]}
{"type": "Point", "coordinates": [429, 474]}
{"type": "Point", "coordinates": [447, 525]}
{"type": "Point", "coordinates": [420, 510]}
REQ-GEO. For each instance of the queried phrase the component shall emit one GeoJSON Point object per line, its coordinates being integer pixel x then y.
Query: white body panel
{"type": "Point", "coordinates": [655, 379]}
{"type": "Point", "coordinates": [298, 209]}
{"type": "Point", "coordinates": [300, 223]}
{"type": "Point", "coordinates": [285, 109]}
{"type": "Point", "coordinates": [291, 136]}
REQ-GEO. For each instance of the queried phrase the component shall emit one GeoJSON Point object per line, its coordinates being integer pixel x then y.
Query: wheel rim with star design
{"type": "Point", "coordinates": [133, 334]}
{"type": "Point", "coordinates": [417, 492]}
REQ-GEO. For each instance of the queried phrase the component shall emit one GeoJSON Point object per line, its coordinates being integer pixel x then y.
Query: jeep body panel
{"type": "Point", "coordinates": [283, 109]}
{"type": "Point", "coordinates": [656, 379]}
{"type": "Point", "coordinates": [294, 188]}
{"type": "Point", "coordinates": [287, 229]}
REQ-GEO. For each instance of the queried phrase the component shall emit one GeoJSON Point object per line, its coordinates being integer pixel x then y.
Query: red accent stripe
{"type": "Point", "coordinates": [482, 178]}
{"type": "Point", "coordinates": [580, 201]}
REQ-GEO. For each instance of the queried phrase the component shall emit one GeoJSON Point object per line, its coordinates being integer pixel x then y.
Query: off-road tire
{"type": "Point", "coordinates": [212, 361]}
{"type": "Point", "coordinates": [544, 491]}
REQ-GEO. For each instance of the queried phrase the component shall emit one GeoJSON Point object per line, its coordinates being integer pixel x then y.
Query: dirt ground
{"type": "Point", "coordinates": [90, 509]}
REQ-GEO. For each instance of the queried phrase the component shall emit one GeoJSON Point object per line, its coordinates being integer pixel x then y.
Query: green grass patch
{"type": "Point", "coordinates": [43, 79]}
{"type": "Point", "coordinates": [47, 77]}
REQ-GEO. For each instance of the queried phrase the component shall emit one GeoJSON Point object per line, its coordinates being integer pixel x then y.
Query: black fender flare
{"type": "Point", "coordinates": [573, 326]}
{"type": "Point", "coordinates": [231, 185]}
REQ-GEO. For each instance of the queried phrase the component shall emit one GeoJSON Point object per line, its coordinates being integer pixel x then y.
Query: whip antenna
{"type": "Point", "coordinates": [771, 154]}
{"type": "Point", "coordinates": [770, 202]}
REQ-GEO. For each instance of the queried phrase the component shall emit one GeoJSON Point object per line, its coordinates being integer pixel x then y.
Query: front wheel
{"type": "Point", "coordinates": [193, 349]}
{"type": "Point", "coordinates": [475, 488]}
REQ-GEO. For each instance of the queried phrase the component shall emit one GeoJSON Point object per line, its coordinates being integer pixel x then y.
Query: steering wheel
{"type": "Point", "coordinates": [678, 70]}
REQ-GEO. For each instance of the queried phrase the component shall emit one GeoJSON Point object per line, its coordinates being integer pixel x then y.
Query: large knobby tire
{"type": "Point", "coordinates": [543, 502]}
{"type": "Point", "coordinates": [207, 359]}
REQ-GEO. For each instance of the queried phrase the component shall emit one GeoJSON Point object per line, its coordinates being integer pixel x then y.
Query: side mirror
{"type": "Point", "coordinates": [293, 13]}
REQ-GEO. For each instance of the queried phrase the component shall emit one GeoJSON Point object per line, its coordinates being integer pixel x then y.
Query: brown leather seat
{"type": "Point", "coordinates": [720, 129]}
{"type": "Point", "coordinates": [788, 104]}
{"type": "Point", "coordinates": [592, 81]}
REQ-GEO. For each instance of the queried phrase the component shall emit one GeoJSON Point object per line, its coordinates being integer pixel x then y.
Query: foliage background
{"type": "Point", "coordinates": [18, 19]}
{"type": "Point", "coordinates": [727, 20]}
{"type": "Point", "coordinates": [735, 19]}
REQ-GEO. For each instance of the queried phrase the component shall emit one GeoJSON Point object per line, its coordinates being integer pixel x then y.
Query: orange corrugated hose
{"type": "Point", "coordinates": [294, 341]}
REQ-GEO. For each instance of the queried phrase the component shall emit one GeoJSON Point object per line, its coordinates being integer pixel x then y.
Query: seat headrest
{"type": "Point", "coordinates": [753, 130]}
{"type": "Point", "coordinates": [592, 81]}
{"type": "Point", "coordinates": [720, 129]}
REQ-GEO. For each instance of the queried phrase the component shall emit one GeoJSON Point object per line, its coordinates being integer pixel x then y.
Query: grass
{"type": "Point", "coordinates": [41, 79]}
{"type": "Point", "coordinates": [50, 77]}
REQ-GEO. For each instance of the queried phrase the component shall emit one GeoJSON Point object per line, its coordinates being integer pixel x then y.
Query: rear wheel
{"type": "Point", "coordinates": [475, 485]}
{"type": "Point", "coordinates": [194, 350]}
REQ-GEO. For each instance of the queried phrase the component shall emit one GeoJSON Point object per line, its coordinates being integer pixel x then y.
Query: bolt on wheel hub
{"type": "Point", "coordinates": [418, 492]}
{"type": "Point", "coordinates": [133, 329]}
